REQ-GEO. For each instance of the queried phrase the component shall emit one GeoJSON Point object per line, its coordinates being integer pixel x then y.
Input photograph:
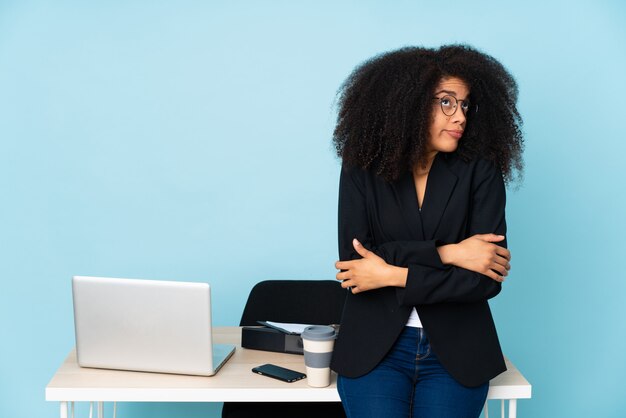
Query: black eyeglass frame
{"type": "Point", "coordinates": [471, 108]}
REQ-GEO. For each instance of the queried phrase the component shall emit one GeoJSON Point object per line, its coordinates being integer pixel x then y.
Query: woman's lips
{"type": "Point", "coordinates": [455, 134]}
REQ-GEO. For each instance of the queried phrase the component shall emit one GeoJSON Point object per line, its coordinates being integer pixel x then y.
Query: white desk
{"type": "Point", "coordinates": [234, 382]}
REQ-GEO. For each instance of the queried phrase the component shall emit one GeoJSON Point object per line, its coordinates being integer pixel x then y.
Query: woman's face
{"type": "Point", "coordinates": [446, 131]}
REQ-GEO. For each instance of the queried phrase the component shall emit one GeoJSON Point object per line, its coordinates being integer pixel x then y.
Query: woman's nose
{"type": "Point", "coordinates": [459, 116]}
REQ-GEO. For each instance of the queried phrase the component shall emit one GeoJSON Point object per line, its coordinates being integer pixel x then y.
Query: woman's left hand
{"type": "Point", "coordinates": [369, 272]}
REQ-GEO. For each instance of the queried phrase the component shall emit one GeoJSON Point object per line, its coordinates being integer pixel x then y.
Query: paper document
{"type": "Point", "coordinates": [284, 327]}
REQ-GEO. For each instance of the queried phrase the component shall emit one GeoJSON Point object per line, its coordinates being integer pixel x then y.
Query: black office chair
{"type": "Point", "coordinates": [296, 301]}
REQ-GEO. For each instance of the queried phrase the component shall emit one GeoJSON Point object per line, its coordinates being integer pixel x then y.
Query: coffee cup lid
{"type": "Point", "coordinates": [318, 333]}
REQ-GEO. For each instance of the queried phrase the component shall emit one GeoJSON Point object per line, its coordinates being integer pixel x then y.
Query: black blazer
{"type": "Point", "coordinates": [461, 199]}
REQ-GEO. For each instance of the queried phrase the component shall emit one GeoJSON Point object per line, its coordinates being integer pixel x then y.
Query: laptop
{"type": "Point", "coordinates": [146, 325]}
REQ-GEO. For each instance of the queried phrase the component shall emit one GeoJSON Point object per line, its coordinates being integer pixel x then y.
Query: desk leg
{"type": "Point", "coordinates": [512, 408]}
{"type": "Point", "coordinates": [63, 409]}
{"type": "Point", "coordinates": [100, 409]}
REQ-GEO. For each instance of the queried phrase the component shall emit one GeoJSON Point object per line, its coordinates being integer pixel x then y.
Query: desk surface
{"type": "Point", "coordinates": [234, 382]}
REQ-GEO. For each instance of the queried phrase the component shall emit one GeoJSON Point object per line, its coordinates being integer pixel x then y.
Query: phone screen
{"type": "Point", "coordinates": [280, 373]}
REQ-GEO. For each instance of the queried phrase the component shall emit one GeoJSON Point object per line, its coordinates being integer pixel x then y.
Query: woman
{"type": "Point", "coordinates": [428, 138]}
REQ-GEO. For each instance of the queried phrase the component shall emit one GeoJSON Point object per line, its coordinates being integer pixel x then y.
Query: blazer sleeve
{"type": "Point", "coordinates": [428, 284]}
{"type": "Point", "coordinates": [353, 222]}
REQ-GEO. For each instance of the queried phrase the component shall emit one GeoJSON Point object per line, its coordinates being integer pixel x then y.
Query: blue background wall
{"type": "Point", "coordinates": [191, 141]}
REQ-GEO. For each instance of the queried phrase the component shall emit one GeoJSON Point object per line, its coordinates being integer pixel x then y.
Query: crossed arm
{"type": "Point", "coordinates": [477, 253]}
{"type": "Point", "coordinates": [427, 271]}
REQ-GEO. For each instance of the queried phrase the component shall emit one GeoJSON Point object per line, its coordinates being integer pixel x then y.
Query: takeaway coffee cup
{"type": "Point", "coordinates": [318, 341]}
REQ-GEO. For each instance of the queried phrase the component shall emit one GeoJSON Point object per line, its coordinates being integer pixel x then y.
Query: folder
{"type": "Point", "coordinates": [271, 339]}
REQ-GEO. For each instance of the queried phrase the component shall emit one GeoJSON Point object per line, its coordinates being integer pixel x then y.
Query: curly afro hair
{"type": "Point", "coordinates": [385, 110]}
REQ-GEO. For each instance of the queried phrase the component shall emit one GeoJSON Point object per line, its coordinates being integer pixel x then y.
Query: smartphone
{"type": "Point", "coordinates": [280, 373]}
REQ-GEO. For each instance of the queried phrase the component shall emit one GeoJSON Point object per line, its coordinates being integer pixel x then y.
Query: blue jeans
{"type": "Point", "coordinates": [410, 382]}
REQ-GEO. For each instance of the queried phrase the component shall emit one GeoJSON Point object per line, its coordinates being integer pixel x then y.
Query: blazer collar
{"type": "Point", "coordinates": [439, 187]}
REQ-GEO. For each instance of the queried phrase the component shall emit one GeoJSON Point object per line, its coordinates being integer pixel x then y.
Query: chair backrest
{"type": "Point", "coordinates": [295, 301]}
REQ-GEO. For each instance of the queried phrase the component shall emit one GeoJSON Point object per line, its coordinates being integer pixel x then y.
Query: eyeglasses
{"type": "Point", "coordinates": [450, 103]}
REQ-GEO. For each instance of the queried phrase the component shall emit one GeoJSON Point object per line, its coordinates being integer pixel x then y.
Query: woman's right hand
{"type": "Point", "coordinates": [478, 253]}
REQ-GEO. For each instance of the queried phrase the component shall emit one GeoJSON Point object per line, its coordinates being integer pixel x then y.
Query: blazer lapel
{"type": "Point", "coordinates": [439, 188]}
{"type": "Point", "coordinates": [406, 198]}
